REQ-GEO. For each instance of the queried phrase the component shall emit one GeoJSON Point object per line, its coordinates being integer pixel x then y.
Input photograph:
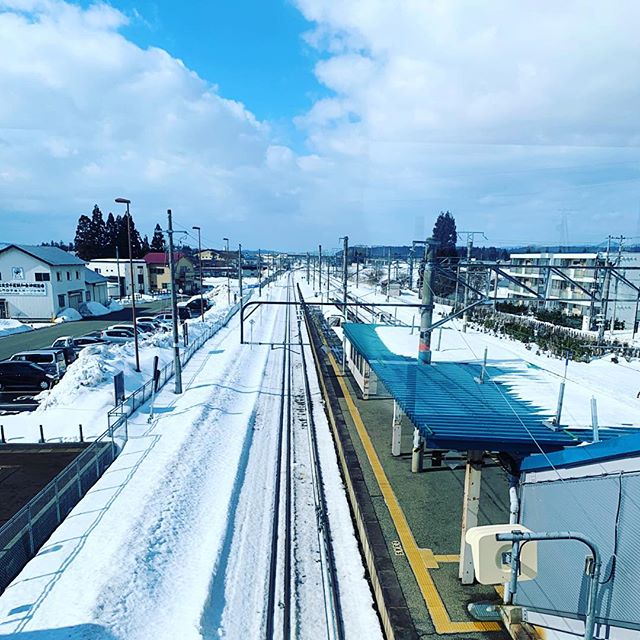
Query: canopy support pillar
{"type": "Point", "coordinates": [470, 510]}
{"type": "Point", "coordinates": [396, 429]}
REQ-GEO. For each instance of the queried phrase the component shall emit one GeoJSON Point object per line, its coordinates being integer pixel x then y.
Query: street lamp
{"type": "Point", "coordinates": [133, 292]}
{"type": "Point", "coordinates": [200, 257]}
{"type": "Point", "coordinates": [226, 259]}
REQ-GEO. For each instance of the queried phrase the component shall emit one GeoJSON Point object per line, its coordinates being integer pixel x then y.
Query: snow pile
{"type": "Point", "coordinates": [93, 309]}
{"type": "Point", "coordinates": [68, 315]}
{"type": "Point", "coordinates": [7, 327]}
{"type": "Point", "coordinates": [114, 305]}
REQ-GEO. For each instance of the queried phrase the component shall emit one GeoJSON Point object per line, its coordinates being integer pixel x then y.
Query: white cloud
{"type": "Point", "coordinates": [502, 112]}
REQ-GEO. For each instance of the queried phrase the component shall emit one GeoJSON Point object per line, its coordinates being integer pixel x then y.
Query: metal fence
{"type": "Point", "coordinates": [22, 536]}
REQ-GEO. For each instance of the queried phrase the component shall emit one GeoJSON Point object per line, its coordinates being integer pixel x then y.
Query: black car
{"type": "Point", "coordinates": [24, 376]}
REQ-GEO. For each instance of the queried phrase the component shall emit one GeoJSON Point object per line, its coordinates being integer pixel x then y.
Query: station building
{"type": "Point", "coordinates": [36, 283]}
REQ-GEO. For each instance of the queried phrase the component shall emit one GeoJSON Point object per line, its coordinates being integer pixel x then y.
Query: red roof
{"type": "Point", "coordinates": [161, 257]}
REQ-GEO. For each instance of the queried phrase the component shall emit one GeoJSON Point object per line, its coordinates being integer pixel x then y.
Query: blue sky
{"type": "Point", "coordinates": [288, 123]}
{"type": "Point", "coordinates": [253, 50]}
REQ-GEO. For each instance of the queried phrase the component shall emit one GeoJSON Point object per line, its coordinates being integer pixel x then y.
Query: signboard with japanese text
{"type": "Point", "coordinates": [23, 288]}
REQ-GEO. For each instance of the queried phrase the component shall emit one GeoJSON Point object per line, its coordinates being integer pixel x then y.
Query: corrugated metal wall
{"type": "Point", "coordinates": [606, 509]}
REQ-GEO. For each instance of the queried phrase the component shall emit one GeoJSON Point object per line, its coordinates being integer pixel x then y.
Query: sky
{"type": "Point", "coordinates": [284, 124]}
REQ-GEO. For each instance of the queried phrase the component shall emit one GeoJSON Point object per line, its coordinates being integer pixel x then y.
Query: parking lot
{"type": "Point", "coordinates": [41, 338]}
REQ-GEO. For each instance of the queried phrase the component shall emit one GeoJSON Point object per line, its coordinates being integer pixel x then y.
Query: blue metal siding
{"type": "Point", "coordinates": [589, 505]}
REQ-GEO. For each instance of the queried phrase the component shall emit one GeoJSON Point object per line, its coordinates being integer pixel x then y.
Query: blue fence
{"type": "Point", "coordinates": [22, 536]}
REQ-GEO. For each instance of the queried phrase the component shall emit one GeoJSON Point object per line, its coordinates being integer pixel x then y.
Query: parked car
{"type": "Point", "coordinates": [117, 335]}
{"type": "Point", "coordinates": [165, 318]}
{"type": "Point", "coordinates": [51, 360]}
{"type": "Point", "coordinates": [87, 341]}
{"type": "Point", "coordinates": [142, 328]}
{"type": "Point", "coordinates": [159, 325]}
{"type": "Point", "coordinates": [66, 343]}
{"type": "Point", "coordinates": [194, 305]}
{"type": "Point", "coordinates": [24, 376]}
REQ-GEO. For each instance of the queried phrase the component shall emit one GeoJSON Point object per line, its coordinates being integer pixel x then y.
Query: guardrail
{"type": "Point", "coordinates": [22, 536]}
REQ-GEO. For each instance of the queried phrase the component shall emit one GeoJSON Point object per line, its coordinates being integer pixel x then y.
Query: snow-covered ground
{"type": "Point", "coordinates": [8, 327]}
{"type": "Point", "coordinates": [85, 394]}
{"type": "Point", "coordinates": [531, 375]}
{"type": "Point", "coordinates": [156, 547]}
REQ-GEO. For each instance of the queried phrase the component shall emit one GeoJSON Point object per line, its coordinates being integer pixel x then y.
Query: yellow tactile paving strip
{"type": "Point", "coordinates": [420, 560]}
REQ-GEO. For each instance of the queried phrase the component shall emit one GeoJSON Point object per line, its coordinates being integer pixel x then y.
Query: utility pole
{"type": "Point", "coordinates": [133, 286]}
{"type": "Point", "coordinates": [426, 311]}
{"type": "Point", "coordinates": [226, 261]}
{"type": "Point", "coordinates": [328, 276]}
{"type": "Point", "coordinates": [240, 271]}
{"type": "Point", "coordinates": [411, 252]}
{"type": "Point", "coordinates": [200, 265]}
{"type": "Point", "coordinates": [313, 275]}
{"type": "Point", "coordinates": [605, 293]}
{"type": "Point", "coordinates": [467, 279]}
{"type": "Point", "coordinates": [174, 309]}
{"type": "Point", "coordinates": [320, 271]}
{"type": "Point", "coordinates": [357, 270]}
{"type": "Point", "coordinates": [345, 267]}
{"type": "Point", "coordinates": [615, 293]}
{"type": "Point", "coordinates": [307, 267]}
{"type": "Point", "coordinates": [389, 274]}
{"type": "Point", "coordinates": [259, 274]}
{"type": "Point", "coordinates": [119, 278]}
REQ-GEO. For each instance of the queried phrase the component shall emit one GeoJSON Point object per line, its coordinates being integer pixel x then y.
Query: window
{"type": "Point", "coordinates": [61, 300]}
{"type": "Point", "coordinates": [140, 278]}
{"type": "Point", "coordinates": [42, 277]}
{"type": "Point", "coordinates": [77, 275]}
{"type": "Point", "coordinates": [165, 285]}
{"type": "Point", "coordinates": [68, 275]}
{"type": "Point", "coordinates": [88, 295]}
{"type": "Point", "coordinates": [58, 276]}
{"type": "Point", "coordinates": [97, 270]}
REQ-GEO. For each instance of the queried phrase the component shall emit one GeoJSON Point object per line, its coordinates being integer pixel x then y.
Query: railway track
{"type": "Point", "coordinates": [302, 571]}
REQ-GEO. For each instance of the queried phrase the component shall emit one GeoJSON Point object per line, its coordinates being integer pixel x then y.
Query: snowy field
{"type": "Point", "coordinates": [171, 543]}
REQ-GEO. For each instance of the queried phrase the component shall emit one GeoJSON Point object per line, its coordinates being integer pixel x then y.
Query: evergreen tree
{"type": "Point", "coordinates": [84, 238]}
{"type": "Point", "coordinates": [145, 246]}
{"type": "Point", "coordinates": [444, 231]}
{"type": "Point", "coordinates": [157, 242]}
{"type": "Point", "coordinates": [122, 237]}
{"type": "Point", "coordinates": [98, 233]}
{"type": "Point", "coordinates": [111, 236]}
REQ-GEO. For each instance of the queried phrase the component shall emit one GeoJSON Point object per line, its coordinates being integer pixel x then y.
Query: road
{"type": "Point", "coordinates": [41, 338]}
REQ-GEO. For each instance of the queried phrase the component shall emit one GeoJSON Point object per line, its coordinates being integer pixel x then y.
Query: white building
{"type": "Point", "coordinates": [568, 297]}
{"type": "Point", "coordinates": [118, 271]}
{"type": "Point", "coordinates": [38, 282]}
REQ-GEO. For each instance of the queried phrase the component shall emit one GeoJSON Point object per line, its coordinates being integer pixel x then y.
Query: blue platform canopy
{"type": "Point", "coordinates": [453, 411]}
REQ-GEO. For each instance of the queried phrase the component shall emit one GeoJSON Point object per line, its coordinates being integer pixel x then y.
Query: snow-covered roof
{"type": "Point", "coordinates": [50, 255]}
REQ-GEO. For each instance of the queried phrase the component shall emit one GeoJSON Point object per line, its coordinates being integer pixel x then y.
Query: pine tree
{"type": "Point", "coordinates": [145, 246]}
{"type": "Point", "coordinates": [98, 233]}
{"type": "Point", "coordinates": [444, 231]}
{"type": "Point", "coordinates": [84, 238]}
{"type": "Point", "coordinates": [111, 236]}
{"type": "Point", "coordinates": [157, 242]}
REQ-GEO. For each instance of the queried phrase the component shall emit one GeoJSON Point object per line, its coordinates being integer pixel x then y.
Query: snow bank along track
{"type": "Point", "coordinates": [302, 571]}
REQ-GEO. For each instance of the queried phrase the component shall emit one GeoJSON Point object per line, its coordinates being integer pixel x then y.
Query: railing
{"type": "Point", "coordinates": [22, 536]}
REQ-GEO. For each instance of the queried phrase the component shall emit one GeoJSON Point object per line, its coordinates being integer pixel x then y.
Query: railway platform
{"type": "Point", "coordinates": [409, 524]}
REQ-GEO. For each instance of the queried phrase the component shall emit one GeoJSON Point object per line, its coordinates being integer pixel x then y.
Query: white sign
{"type": "Point", "coordinates": [23, 288]}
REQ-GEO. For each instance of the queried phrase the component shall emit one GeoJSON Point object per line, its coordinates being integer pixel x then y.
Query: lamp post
{"type": "Point", "coordinates": [133, 292]}
{"type": "Point", "coordinates": [200, 261]}
{"type": "Point", "coordinates": [226, 240]}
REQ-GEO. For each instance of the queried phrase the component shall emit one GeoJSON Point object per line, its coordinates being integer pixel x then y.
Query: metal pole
{"type": "Point", "coordinates": [389, 275]}
{"type": "Point", "coordinates": [357, 270]}
{"type": "Point", "coordinates": [119, 277]}
{"type": "Point", "coordinates": [426, 312]}
{"type": "Point", "coordinates": [200, 261]}
{"type": "Point", "coordinates": [240, 271]}
{"type": "Point", "coordinates": [259, 274]}
{"type": "Point", "coordinates": [320, 271]}
{"type": "Point", "coordinates": [307, 267]}
{"type": "Point", "coordinates": [174, 310]}
{"type": "Point", "coordinates": [226, 260]}
{"type": "Point", "coordinates": [133, 293]}
{"type": "Point", "coordinates": [594, 419]}
{"type": "Point", "coordinates": [328, 276]}
{"type": "Point", "coordinates": [465, 315]}
{"type": "Point", "coordinates": [345, 263]}
{"type": "Point", "coordinates": [605, 294]}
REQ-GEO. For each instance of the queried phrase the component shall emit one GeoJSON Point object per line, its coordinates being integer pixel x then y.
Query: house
{"type": "Point", "coordinates": [38, 282]}
{"type": "Point", "coordinates": [118, 273]}
{"type": "Point", "coordinates": [97, 287]}
{"type": "Point", "coordinates": [159, 273]}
